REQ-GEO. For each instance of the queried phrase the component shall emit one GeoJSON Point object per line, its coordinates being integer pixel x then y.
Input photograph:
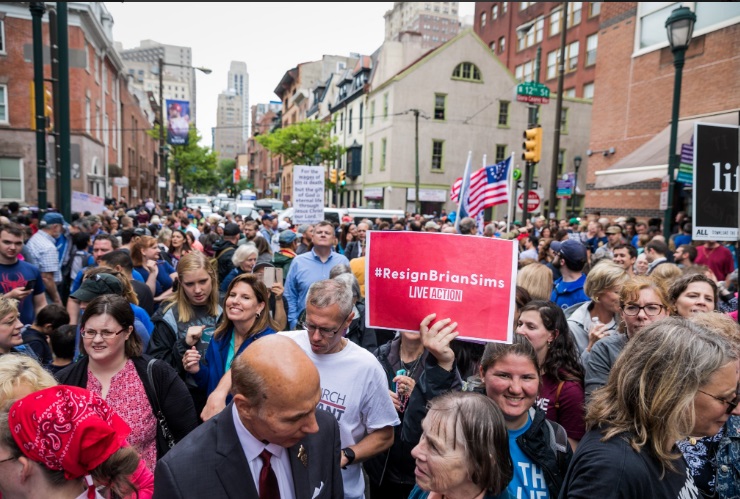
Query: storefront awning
{"type": "Point", "coordinates": [650, 160]}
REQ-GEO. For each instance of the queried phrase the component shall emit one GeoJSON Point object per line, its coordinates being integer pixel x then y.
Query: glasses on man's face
{"type": "Point", "coordinates": [326, 333]}
{"type": "Point", "coordinates": [105, 334]}
{"type": "Point", "coordinates": [731, 404]}
{"type": "Point", "coordinates": [651, 310]}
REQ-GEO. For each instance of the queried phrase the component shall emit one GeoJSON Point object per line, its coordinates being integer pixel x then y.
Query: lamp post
{"type": "Point", "coordinates": [162, 153]}
{"type": "Point", "coordinates": [576, 164]}
{"type": "Point", "coordinates": [680, 28]}
{"type": "Point", "coordinates": [553, 203]}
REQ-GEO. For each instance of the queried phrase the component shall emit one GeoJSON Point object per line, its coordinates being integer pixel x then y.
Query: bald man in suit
{"type": "Point", "coordinates": [271, 426]}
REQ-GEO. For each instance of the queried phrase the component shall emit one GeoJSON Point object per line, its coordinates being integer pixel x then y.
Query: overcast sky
{"type": "Point", "coordinates": [270, 37]}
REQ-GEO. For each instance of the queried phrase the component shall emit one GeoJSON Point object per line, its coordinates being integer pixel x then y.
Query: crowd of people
{"type": "Point", "coordinates": [148, 352]}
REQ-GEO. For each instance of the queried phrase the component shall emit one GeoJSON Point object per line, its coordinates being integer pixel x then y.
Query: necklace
{"type": "Point", "coordinates": [411, 366]}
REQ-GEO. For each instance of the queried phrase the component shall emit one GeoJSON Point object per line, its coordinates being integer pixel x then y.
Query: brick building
{"type": "Point", "coordinates": [108, 127]}
{"type": "Point", "coordinates": [633, 105]}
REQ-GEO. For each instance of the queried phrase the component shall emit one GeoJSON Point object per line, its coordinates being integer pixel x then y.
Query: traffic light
{"type": "Point", "coordinates": [333, 176]}
{"type": "Point", "coordinates": [532, 144]}
{"type": "Point", "coordinates": [48, 109]}
{"type": "Point", "coordinates": [342, 175]}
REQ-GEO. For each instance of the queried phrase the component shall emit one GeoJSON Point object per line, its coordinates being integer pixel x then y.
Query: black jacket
{"type": "Point", "coordinates": [223, 250]}
{"type": "Point", "coordinates": [174, 399]}
{"type": "Point", "coordinates": [536, 443]}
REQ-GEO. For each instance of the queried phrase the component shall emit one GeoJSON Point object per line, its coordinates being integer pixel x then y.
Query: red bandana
{"type": "Point", "coordinates": [67, 428]}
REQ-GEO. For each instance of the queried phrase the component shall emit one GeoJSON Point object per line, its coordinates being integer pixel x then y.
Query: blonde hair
{"type": "Point", "coordinates": [665, 273]}
{"type": "Point", "coordinates": [720, 323]}
{"type": "Point", "coordinates": [536, 278]}
{"type": "Point", "coordinates": [604, 276]}
{"type": "Point", "coordinates": [19, 369]}
{"type": "Point", "coordinates": [7, 306]}
{"type": "Point", "coordinates": [191, 262]}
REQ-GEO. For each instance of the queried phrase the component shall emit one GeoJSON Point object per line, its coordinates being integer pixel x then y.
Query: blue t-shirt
{"type": "Point", "coordinates": [164, 281]}
{"type": "Point", "coordinates": [682, 239]}
{"type": "Point", "coordinates": [528, 479]}
{"type": "Point", "coordinates": [16, 276]}
{"type": "Point", "coordinates": [566, 294]}
{"type": "Point", "coordinates": [596, 242]}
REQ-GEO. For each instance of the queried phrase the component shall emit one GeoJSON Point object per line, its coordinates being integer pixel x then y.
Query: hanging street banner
{"type": "Point", "coordinates": [471, 280]}
{"type": "Point", "coordinates": [686, 166]}
{"type": "Point", "coordinates": [532, 92]}
{"type": "Point", "coordinates": [178, 122]}
{"type": "Point", "coordinates": [716, 179]}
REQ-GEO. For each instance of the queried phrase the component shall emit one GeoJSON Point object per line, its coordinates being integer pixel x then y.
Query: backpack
{"type": "Point", "coordinates": [214, 260]}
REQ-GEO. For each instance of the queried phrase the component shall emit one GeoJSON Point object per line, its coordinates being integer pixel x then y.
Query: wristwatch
{"type": "Point", "coordinates": [350, 455]}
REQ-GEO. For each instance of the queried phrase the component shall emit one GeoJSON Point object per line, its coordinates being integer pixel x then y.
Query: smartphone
{"type": "Point", "coordinates": [205, 339]}
{"type": "Point", "coordinates": [30, 285]}
{"type": "Point", "coordinates": [400, 372]}
{"type": "Point", "coordinates": [268, 277]}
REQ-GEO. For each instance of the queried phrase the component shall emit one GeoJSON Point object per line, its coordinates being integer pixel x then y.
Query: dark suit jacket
{"type": "Point", "coordinates": [353, 250]}
{"type": "Point", "coordinates": [210, 463]}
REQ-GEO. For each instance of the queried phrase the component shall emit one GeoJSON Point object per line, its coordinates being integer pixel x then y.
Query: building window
{"type": "Point", "coordinates": [4, 118]}
{"type": "Point", "coordinates": [588, 91]}
{"type": "Point", "coordinates": [87, 59]}
{"type": "Point", "coordinates": [525, 72]}
{"type": "Point", "coordinates": [466, 71]}
{"type": "Point", "coordinates": [564, 120]}
{"type": "Point", "coordinates": [505, 7]}
{"type": "Point", "coordinates": [11, 179]}
{"type": "Point", "coordinates": [482, 19]}
{"type": "Point", "coordinates": [574, 13]}
{"type": "Point", "coordinates": [87, 114]}
{"type": "Point", "coordinates": [372, 113]}
{"type": "Point", "coordinates": [493, 46]}
{"type": "Point", "coordinates": [437, 151]}
{"type": "Point", "coordinates": [2, 36]}
{"type": "Point", "coordinates": [341, 122]}
{"type": "Point", "coordinates": [494, 12]}
{"type": "Point", "coordinates": [349, 122]}
{"type": "Point", "coordinates": [555, 16]}
{"type": "Point", "coordinates": [552, 64]}
{"type": "Point", "coordinates": [503, 113]}
{"type": "Point", "coordinates": [98, 122]}
{"type": "Point", "coordinates": [96, 67]}
{"type": "Point", "coordinates": [501, 45]}
{"type": "Point", "coordinates": [500, 152]}
{"type": "Point", "coordinates": [594, 9]}
{"type": "Point", "coordinates": [524, 5]}
{"type": "Point", "coordinates": [569, 92]}
{"type": "Point", "coordinates": [439, 106]}
{"type": "Point", "coordinates": [385, 106]}
{"type": "Point", "coordinates": [571, 56]}
{"type": "Point", "coordinates": [370, 157]}
{"type": "Point", "coordinates": [383, 152]}
{"type": "Point", "coordinates": [591, 44]}
{"type": "Point", "coordinates": [362, 112]}
{"type": "Point", "coordinates": [533, 36]}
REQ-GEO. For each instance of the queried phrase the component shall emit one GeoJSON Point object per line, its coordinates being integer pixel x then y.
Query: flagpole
{"type": "Point", "coordinates": [463, 190]}
{"type": "Point", "coordinates": [512, 202]}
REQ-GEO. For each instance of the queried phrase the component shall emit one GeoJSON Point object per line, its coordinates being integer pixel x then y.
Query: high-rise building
{"type": "Point", "coordinates": [227, 138]}
{"type": "Point", "coordinates": [437, 22]}
{"type": "Point", "coordinates": [178, 78]}
{"type": "Point", "coordinates": [239, 83]}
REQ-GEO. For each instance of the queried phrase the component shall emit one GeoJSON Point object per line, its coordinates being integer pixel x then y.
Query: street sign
{"type": "Point", "coordinates": [664, 184]}
{"type": "Point", "coordinates": [517, 174]}
{"type": "Point", "coordinates": [533, 204]}
{"type": "Point", "coordinates": [534, 93]}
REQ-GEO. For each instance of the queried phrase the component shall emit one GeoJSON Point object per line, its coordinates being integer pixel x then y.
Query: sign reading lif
{"type": "Point", "coordinates": [716, 182]}
{"type": "Point", "coordinates": [470, 280]}
{"type": "Point", "coordinates": [532, 92]}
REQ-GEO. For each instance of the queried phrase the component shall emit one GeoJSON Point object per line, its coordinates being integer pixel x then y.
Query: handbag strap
{"type": "Point", "coordinates": [151, 383]}
{"type": "Point", "coordinates": [557, 395]}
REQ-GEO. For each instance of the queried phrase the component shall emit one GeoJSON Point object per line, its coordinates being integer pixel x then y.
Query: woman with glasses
{"type": "Point", "coordinates": [245, 319]}
{"type": "Point", "coordinates": [673, 381]}
{"type": "Point", "coordinates": [714, 461]}
{"type": "Point", "coordinates": [113, 366]}
{"type": "Point", "coordinates": [641, 302]}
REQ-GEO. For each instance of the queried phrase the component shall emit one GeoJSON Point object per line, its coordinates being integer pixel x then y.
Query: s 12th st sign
{"type": "Point", "coordinates": [716, 182]}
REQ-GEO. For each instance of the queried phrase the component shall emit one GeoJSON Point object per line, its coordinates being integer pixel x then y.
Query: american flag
{"type": "Point", "coordinates": [488, 187]}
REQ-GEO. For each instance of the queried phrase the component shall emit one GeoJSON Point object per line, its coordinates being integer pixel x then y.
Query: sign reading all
{"type": "Point", "coordinates": [532, 92]}
{"type": "Point", "coordinates": [430, 276]}
{"type": "Point", "coordinates": [716, 182]}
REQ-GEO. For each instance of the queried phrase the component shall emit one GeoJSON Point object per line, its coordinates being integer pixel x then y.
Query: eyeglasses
{"type": "Point", "coordinates": [651, 310]}
{"type": "Point", "coordinates": [106, 335]}
{"type": "Point", "coordinates": [731, 404]}
{"type": "Point", "coordinates": [324, 332]}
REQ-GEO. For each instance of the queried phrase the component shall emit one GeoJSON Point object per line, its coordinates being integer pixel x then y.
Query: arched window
{"type": "Point", "coordinates": [467, 71]}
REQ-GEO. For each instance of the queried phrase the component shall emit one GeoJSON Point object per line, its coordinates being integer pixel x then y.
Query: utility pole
{"type": "Point", "coordinates": [37, 13]}
{"type": "Point", "coordinates": [553, 203]}
{"type": "Point", "coordinates": [62, 121]}
{"type": "Point", "coordinates": [533, 119]}
{"type": "Point", "coordinates": [417, 205]}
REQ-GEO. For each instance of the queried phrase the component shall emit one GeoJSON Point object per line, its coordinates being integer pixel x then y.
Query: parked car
{"type": "Point", "coordinates": [358, 214]}
{"type": "Point", "coordinates": [197, 202]}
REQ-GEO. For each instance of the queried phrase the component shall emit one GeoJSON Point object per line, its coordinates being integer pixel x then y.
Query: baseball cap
{"type": "Point", "coordinates": [287, 236]}
{"type": "Point", "coordinates": [98, 285]}
{"type": "Point", "coordinates": [613, 230]}
{"type": "Point", "coordinates": [573, 221]}
{"type": "Point", "coordinates": [620, 220]}
{"type": "Point", "coordinates": [53, 218]}
{"type": "Point", "coordinates": [231, 229]}
{"type": "Point", "coordinates": [140, 231]}
{"type": "Point", "coordinates": [267, 216]}
{"type": "Point", "coordinates": [283, 225]}
{"type": "Point", "coordinates": [517, 223]}
{"type": "Point", "coordinates": [260, 266]}
{"type": "Point", "coordinates": [431, 224]}
{"type": "Point", "coordinates": [570, 249]}
{"type": "Point", "coordinates": [303, 228]}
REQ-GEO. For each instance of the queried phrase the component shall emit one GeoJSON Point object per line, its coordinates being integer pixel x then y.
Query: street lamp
{"type": "Point", "coordinates": [576, 164]}
{"type": "Point", "coordinates": [162, 156]}
{"type": "Point", "coordinates": [680, 28]}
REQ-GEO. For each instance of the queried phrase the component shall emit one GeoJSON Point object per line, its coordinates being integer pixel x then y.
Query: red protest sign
{"type": "Point", "coordinates": [472, 280]}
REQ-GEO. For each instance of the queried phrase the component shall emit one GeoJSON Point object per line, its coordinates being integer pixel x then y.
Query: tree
{"type": "Point", "coordinates": [225, 174]}
{"type": "Point", "coordinates": [304, 143]}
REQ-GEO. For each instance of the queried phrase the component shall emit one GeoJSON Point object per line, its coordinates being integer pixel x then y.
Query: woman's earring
{"type": "Point", "coordinates": [258, 315]}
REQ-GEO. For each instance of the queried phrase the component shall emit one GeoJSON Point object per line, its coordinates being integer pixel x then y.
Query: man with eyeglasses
{"type": "Point", "coordinates": [354, 388]}
{"type": "Point", "coordinates": [309, 268]}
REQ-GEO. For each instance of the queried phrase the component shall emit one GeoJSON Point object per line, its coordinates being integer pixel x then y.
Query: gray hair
{"type": "Point", "coordinates": [165, 234]}
{"type": "Point", "coordinates": [336, 270]}
{"type": "Point", "coordinates": [328, 292]}
{"type": "Point", "coordinates": [352, 281]}
{"type": "Point", "coordinates": [243, 252]}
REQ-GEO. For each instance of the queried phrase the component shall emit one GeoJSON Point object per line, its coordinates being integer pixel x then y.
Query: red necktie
{"type": "Point", "coordinates": [268, 481]}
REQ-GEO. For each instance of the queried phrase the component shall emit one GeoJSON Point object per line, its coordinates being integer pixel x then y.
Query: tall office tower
{"type": "Point", "coordinates": [239, 83]}
{"type": "Point", "coordinates": [227, 138]}
{"type": "Point", "coordinates": [437, 22]}
{"type": "Point", "coordinates": [178, 82]}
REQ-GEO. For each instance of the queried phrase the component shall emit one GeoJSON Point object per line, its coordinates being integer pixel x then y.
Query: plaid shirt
{"type": "Point", "coordinates": [43, 252]}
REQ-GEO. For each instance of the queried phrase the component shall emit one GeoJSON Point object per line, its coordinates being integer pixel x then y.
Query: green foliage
{"type": "Point", "coordinates": [195, 166]}
{"type": "Point", "coordinates": [304, 143]}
